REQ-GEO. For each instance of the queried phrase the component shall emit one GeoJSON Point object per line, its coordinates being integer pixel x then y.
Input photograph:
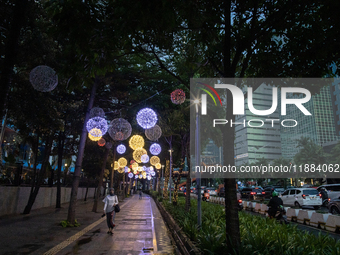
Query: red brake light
{"type": "Point", "coordinates": [263, 192]}
{"type": "Point", "coordinates": [216, 190]}
{"type": "Point", "coordinates": [304, 196]}
{"type": "Point", "coordinates": [240, 200]}
{"type": "Point", "coordinates": [252, 193]}
{"type": "Point", "coordinates": [320, 195]}
{"type": "Point", "coordinates": [329, 199]}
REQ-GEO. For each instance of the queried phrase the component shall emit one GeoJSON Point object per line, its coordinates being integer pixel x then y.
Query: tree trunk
{"type": "Point", "coordinates": [166, 181]}
{"type": "Point", "coordinates": [36, 147]}
{"type": "Point", "coordinates": [100, 183]}
{"type": "Point", "coordinates": [17, 22]}
{"type": "Point", "coordinates": [75, 184]}
{"type": "Point", "coordinates": [61, 141]}
{"type": "Point", "coordinates": [87, 189]}
{"type": "Point", "coordinates": [34, 194]}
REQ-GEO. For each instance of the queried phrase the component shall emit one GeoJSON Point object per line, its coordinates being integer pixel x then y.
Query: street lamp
{"type": "Point", "coordinates": [198, 163]}
{"type": "Point", "coordinates": [170, 170]}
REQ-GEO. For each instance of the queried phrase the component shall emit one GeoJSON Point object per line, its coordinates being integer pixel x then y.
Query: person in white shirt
{"type": "Point", "coordinates": [110, 201]}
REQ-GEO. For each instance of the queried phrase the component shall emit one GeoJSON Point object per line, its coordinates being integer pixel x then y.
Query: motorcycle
{"type": "Point", "coordinates": [280, 215]}
{"type": "Point", "coordinates": [325, 202]}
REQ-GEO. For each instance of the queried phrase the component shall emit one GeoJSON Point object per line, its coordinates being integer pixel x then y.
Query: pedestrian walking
{"type": "Point", "coordinates": [110, 201]}
{"type": "Point", "coordinates": [140, 194]}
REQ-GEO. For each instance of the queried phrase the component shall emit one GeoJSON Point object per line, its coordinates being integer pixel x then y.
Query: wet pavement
{"type": "Point", "coordinates": [139, 229]}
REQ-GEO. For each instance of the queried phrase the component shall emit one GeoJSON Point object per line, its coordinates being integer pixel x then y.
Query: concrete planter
{"type": "Point", "coordinates": [257, 208]}
{"type": "Point", "coordinates": [264, 209]}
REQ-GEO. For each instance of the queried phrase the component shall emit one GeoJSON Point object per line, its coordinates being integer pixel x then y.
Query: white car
{"type": "Point", "coordinates": [212, 191]}
{"type": "Point", "coordinates": [302, 197]}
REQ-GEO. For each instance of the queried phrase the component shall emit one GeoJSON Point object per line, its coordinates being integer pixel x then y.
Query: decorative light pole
{"type": "Point", "coordinates": [198, 163]}
{"type": "Point", "coordinates": [170, 179]}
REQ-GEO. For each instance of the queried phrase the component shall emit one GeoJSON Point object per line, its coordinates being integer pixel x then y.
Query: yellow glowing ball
{"type": "Point", "coordinates": [122, 162]}
{"type": "Point", "coordinates": [154, 160]}
{"type": "Point", "coordinates": [134, 166]}
{"type": "Point", "coordinates": [121, 170]}
{"type": "Point", "coordinates": [136, 142]}
{"type": "Point", "coordinates": [116, 165]}
{"type": "Point", "coordinates": [144, 177]}
{"type": "Point", "coordinates": [134, 172]}
{"type": "Point", "coordinates": [138, 153]}
{"type": "Point", "coordinates": [158, 166]}
{"type": "Point", "coordinates": [94, 138]}
{"type": "Point", "coordinates": [96, 132]}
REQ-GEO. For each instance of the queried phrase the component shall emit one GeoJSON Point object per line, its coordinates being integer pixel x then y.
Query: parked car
{"type": "Point", "coordinates": [333, 190]}
{"type": "Point", "coordinates": [302, 197]}
{"type": "Point", "coordinates": [202, 190]}
{"type": "Point", "coordinates": [212, 191]}
{"type": "Point", "coordinates": [270, 189]}
{"type": "Point", "coordinates": [334, 206]}
{"type": "Point", "coordinates": [252, 193]}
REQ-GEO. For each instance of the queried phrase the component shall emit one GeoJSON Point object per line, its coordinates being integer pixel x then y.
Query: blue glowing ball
{"type": "Point", "coordinates": [130, 175]}
{"type": "Point", "coordinates": [146, 118]}
{"type": "Point", "coordinates": [121, 148]}
{"type": "Point", "coordinates": [155, 149]}
{"type": "Point", "coordinates": [98, 123]}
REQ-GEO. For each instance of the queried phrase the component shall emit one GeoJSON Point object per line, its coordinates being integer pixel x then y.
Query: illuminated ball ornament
{"type": "Point", "coordinates": [116, 165]}
{"type": "Point", "coordinates": [130, 175]}
{"type": "Point", "coordinates": [137, 154]}
{"type": "Point", "coordinates": [108, 145]}
{"type": "Point", "coordinates": [136, 176]}
{"type": "Point", "coordinates": [155, 149]}
{"type": "Point", "coordinates": [94, 138]}
{"type": "Point", "coordinates": [97, 112]}
{"type": "Point", "coordinates": [177, 96]}
{"type": "Point", "coordinates": [151, 168]}
{"type": "Point", "coordinates": [144, 158]}
{"type": "Point", "coordinates": [43, 78]}
{"type": "Point", "coordinates": [146, 118]}
{"type": "Point", "coordinates": [158, 166]}
{"type": "Point", "coordinates": [140, 176]}
{"type": "Point", "coordinates": [122, 162]}
{"type": "Point", "coordinates": [120, 129]}
{"type": "Point", "coordinates": [126, 169]}
{"type": "Point", "coordinates": [101, 142]}
{"type": "Point", "coordinates": [97, 123]}
{"type": "Point", "coordinates": [154, 160]}
{"type": "Point", "coordinates": [121, 149]}
{"type": "Point", "coordinates": [154, 133]}
{"type": "Point", "coordinates": [148, 177]}
{"type": "Point", "coordinates": [134, 166]}
{"type": "Point", "coordinates": [135, 171]}
{"type": "Point", "coordinates": [121, 170]}
{"type": "Point", "coordinates": [153, 173]}
{"type": "Point", "coordinates": [136, 142]}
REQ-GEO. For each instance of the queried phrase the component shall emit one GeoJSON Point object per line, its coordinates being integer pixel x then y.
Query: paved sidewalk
{"type": "Point", "coordinates": [138, 225]}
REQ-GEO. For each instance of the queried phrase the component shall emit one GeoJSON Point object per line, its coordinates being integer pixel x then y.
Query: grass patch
{"type": "Point", "coordinates": [66, 224]}
{"type": "Point", "coordinates": [258, 235]}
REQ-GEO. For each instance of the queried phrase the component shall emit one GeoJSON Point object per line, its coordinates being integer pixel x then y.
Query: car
{"type": "Point", "coordinates": [333, 190]}
{"type": "Point", "coordinates": [270, 189]}
{"type": "Point", "coordinates": [202, 190]}
{"type": "Point", "coordinates": [300, 197]}
{"type": "Point", "coordinates": [252, 193]}
{"type": "Point", "coordinates": [220, 192]}
{"type": "Point", "coordinates": [212, 191]}
{"type": "Point", "coordinates": [334, 206]}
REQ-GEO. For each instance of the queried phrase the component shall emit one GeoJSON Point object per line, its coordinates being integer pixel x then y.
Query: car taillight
{"type": "Point", "coordinates": [304, 196]}
{"type": "Point", "coordinates": [252, 193]}
{"type": "Point", "coordinates": [191, 191]}
{"type": "Point", "coordinates": [216, 190]}
{"type": "Point", "coordinates": [209, 191]}
{"type": "Point", "coordinates": [240, 201]}
{"type": "Point", "coordinates": [320, 195]}
{"type": "Point", "coordinates": [329, 199]}
{"type": "Point", "coordinates": [263, 192]}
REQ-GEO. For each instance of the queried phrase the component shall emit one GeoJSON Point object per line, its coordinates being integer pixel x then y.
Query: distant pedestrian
{"type": "Point", "coordinates": [110, 201]}
{"type": "Point", "coordinates": [140, 194]}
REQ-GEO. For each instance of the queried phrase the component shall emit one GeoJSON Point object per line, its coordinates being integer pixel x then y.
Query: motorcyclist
{"type": "Point", "coordinates": [324, 194]}
{"type": "Point", "coordinates": [275, 204]}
